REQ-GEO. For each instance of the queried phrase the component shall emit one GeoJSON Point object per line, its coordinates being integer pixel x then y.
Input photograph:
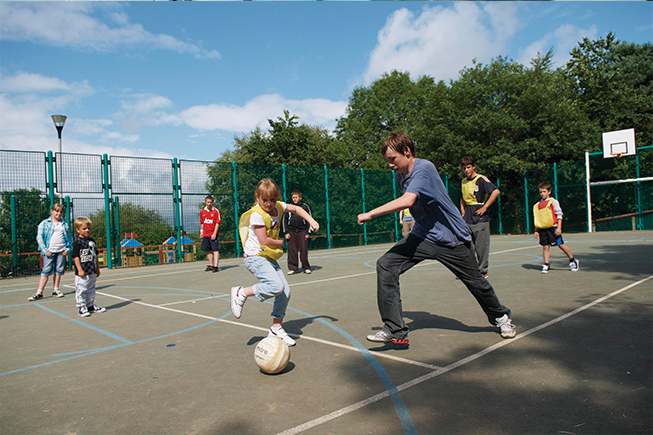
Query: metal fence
{"type": "Point", "coordinates": [141, 208]}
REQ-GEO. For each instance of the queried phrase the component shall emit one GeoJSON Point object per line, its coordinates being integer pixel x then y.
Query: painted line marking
{"type": "Point", "coordinates": [455, 365]}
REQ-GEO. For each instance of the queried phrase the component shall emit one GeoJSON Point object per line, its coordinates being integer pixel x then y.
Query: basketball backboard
{"type": "Point", "coordinates": [619, 143]}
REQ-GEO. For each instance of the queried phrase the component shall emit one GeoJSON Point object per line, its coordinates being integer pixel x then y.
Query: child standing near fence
{"type": "Point", "coordinates": [87, 269]}
{"type": "Point", "coordinates": [548, 227]}
{"type": "Point", "coordinates": [259, 233]}
{"type": "Point", "coordinates": [55, 241]}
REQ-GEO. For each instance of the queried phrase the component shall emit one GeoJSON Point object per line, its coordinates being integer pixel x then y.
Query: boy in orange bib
{"type": "Point", "coordinates": [548, 227]}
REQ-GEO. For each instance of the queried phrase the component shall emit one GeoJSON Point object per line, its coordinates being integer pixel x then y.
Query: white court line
{"type": "Point", "coordinates": [455, 365]}
{"type": "Point", "coordinates": [258, 328]}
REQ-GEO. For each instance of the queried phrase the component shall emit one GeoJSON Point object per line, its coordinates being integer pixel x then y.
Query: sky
{"type": "Point", "coordinates": [173, 79]}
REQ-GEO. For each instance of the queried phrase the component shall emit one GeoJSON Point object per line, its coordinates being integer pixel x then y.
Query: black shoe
{"type": "Point", "coordinates": [208, 268]}
{"type": "Point", "coordinates": [215, 269]}
{"type": "Point", "coordinates": [35, 296]}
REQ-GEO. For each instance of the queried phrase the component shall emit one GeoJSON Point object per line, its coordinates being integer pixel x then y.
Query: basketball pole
{"type": "Point", "coordinates": [589, 191]}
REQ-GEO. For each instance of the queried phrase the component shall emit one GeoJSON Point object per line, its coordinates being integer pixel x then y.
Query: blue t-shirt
{"type": "Point", "coordinates": [437, 220]}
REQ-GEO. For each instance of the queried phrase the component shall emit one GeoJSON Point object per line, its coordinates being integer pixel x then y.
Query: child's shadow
{"type": "Point", "coordinates": [424, 320]}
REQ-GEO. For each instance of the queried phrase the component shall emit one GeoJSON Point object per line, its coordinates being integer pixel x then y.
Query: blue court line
{"type": "Point", "coordinates": [104, 349]}
{"type": "Point", "coordinates": [402, 411]}
{"type": "Point", "coordinates": [101, 331]}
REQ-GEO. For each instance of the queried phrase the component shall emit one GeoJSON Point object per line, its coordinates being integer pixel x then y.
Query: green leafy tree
{"type": "Point", "coordinates": [31, 209]}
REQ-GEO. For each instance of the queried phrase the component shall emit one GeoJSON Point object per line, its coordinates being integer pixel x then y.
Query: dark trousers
{"type": "Point", "coordinates": [411, 251]}
{"type": "Point", "coordinates": [298, 242]}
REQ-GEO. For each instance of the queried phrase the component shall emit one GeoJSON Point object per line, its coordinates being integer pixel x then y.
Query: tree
{"type": "Point", "coordinates": [287, 142]}
{"type": "Point", "coordinates": [613, 84]}
{"type": "Point", "coordinates": [389, 104]}
{"type": "Point", "coordinates": [31, 208]}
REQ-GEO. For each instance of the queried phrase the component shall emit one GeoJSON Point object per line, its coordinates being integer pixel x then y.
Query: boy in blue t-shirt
{"type": "Point", "coordinates": [439, 234]}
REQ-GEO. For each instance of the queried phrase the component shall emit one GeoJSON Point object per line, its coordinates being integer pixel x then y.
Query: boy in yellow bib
{"type": "Point", "coordinates": [259, 233]}
{"type": "Point", "coordinates": [548, 227]}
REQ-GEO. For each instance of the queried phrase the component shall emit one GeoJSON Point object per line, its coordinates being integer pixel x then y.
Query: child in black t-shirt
{"type": "Point", "coordinates": [87, 269]}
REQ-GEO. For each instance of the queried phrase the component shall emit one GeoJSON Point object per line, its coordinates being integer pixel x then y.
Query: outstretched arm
{"type": "Point", "coordinates": [405, 201]}
{"type": "Point", "coordinates": [304, 215]}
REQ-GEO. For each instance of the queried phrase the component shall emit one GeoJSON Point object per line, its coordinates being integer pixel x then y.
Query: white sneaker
{"type": "Point", "coordinates": [237, 302]}
{"type": "Point", "coordinates": [291, 272]}
{"type": "Point", "coordinates": [508, 330]}
{"type": "Point", "coordinates": [282, 334]}
{"type": "Point", "coordinates": [574, 265]}
{"type": "Point", "coordinates": [545, 268]}
{"type": "Point", "coordinates": [308, 271]}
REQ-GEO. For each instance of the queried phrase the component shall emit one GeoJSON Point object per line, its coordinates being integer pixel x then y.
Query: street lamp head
{"type": "Point", "coordinates": [59, 121]}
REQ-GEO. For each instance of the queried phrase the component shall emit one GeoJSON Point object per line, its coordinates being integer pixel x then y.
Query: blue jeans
{"type": "Point", "coordinates": [273, 283]}
{"type": "Point", "coordinates": [55, 261]}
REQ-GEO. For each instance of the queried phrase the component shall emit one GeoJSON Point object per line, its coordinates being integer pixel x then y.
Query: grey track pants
{"type": "Point", "coordinates": [412, 250]}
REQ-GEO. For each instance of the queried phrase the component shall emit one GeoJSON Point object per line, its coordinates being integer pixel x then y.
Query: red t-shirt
{"type": "Point", "coordinates": [209, 218]}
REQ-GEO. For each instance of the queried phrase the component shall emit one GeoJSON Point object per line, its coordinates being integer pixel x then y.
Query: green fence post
{"type": "Point", "coordinates": [107, 208]}
{"type": "Point", "coordinates": [499, 206]}
{"type": "Point", "coordinates": [176, 202]}
{"type": "Point", "coordinates": [50, 177]}
{"type": "Point", "coordinates": [555, 180]}
{"type": "Point", "coordinates": [638, 193]}
{"type": "Point", "coordinates": [364, 211]}
{"type": "Point", "coordinates": [234, 181]}
{"type": "Point", "coordinates": [394, 196]}
{"type": "Point", "coordinates": [283, 184]}
{"type": "Point", "coordinates": [528, 218]}
{"type": "Point", "coordinates": [116, 231]}
{"type": "Point", "coordinates": [14, 235]}
{"type": "Point", "coordinates": [69, 208]}
{"type": "Point", "coordinates": [326, 194]}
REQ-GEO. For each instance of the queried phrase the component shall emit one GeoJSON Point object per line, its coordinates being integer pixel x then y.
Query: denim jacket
{"type": "Point", "coordinates": [46, 228]}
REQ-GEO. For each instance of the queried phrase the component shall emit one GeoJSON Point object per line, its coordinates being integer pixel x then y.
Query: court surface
{"type": "Point", "coordinates": [167, 357]}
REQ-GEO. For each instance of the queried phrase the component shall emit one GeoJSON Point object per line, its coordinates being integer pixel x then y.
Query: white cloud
{"type": "Point", "coordinates": [257, 111]}
{"type": "Point", "coordinates": [562, 40]}
{"type": "Point", "coordinates": [74, 24]}
{"type": "Point", "coordinates": [441, 40]}
{"type": "Point", "coordinates": [29, 82]}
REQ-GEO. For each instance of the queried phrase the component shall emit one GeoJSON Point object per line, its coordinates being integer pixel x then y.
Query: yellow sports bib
{"type": "Point", "coordinates": [545, 216]}
{"type": "Point", "coordinates": [271, 253]}
{"type": "Point", "coordinates": [468, 188]}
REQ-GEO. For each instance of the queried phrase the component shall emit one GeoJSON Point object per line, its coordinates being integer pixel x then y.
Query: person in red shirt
{"type": "Point", "coordinates": [210, 229]}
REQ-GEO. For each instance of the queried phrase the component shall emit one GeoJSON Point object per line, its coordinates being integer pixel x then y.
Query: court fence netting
{"type": "Point", "coordinates": [146, 210]}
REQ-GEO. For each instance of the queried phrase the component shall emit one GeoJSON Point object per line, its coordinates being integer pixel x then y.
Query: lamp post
{"type": "Point", "coordinates": [59, 121]}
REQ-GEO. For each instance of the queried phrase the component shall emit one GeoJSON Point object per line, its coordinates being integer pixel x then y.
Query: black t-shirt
{"type": "Point", "coordinates": [86, 251]}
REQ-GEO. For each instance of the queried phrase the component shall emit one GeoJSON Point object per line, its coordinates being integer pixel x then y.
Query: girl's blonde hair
{"type": "Point", "coordinates": [267, 188]}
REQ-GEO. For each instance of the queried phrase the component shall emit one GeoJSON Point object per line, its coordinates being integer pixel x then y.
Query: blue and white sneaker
{"type": "Point", "coordinates": [83, 312]}
{"type": "Point", "coordinates": [94, 309]}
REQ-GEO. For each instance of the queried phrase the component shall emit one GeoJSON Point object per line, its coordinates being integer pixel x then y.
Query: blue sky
{"type": "Point", "coordinates": [171, 79]}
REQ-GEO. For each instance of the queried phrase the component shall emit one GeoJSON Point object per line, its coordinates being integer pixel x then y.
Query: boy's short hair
{"type": "Point", "coordinates": [209, 197]}
{"type": "Point", "coordinates": [296, 192]}
{"type": "Point", "coordinates": [58, 207]}
{"type": "Point", "coordinates": [399, 142]}
{"type": "Point", "coordinates": [467, 160]}
{"type": "Point", "coordinates": [545, 185]}
{"type": "Point", "coordinates": [82, 221]}
{"type": "Point", "coordinates": [267, 187]}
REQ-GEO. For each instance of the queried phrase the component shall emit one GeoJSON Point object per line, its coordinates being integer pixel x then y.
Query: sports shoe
{"type": "Point", "coordinates": [237, 302]}
{"type": "Point", "coordinates": [545, 268]}
{"type": "Point", "coordinates": [208, 268]}
{"type": "Point", "coordinates": [57, 294]}
{"type": "Point", "coordinates": [508, 330]}
{"type": "Point", "coordinates": [291, 272]}
{"type": "Point", "coordinates": [574, 265]}
{"type": "Point", "coordinates": [215, 269]}
{"type": "Point", "coordinates": [93, 309]}
{"type": "Point", "coordinates": [282, 334]}
{"type": "Point", "coordinates": [486, 276]}
{"type": "Point", "coordinates": [84, 312]}
{"type": "Point", "coordinates": [384, 337]}
{"type": "Point", "coordinates": [35, 296]}
{"type": "Point", "coordinates": [308, 271]}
